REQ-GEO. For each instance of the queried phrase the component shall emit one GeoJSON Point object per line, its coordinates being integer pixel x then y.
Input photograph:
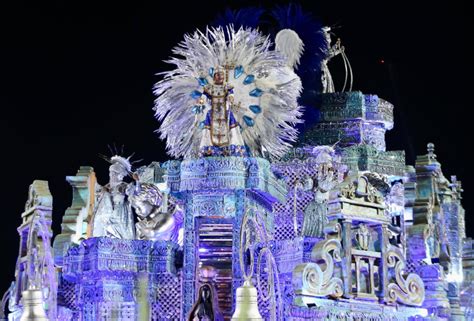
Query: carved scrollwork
{"type": "Point", "coordinates": [318, 279]}
{"type": "Point", "coordinates": [404, 288]}
{"type": "Point", "coordinates": [348, 191]}
{"type": "Point", "coordinates": [362, 190]}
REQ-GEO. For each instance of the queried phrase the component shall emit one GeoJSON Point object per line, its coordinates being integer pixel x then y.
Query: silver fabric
{"type": "Point", "coordinates": [113, 213]}
{"type": "Point", "coordinates": [156, 219]}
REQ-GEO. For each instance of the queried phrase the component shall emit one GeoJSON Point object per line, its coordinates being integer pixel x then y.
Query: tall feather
{"type": "Point", "coordinates": [309, 29]}
{"type": "Point", "coordinates": [289, 44]}
{"type": "Point", "coordinates": [272, 128]}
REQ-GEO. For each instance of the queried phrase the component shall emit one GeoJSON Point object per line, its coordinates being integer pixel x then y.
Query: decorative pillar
{"type": "Point", "coordinates": [240, 207]}
{"type": "Point", "coordinates": [383, 271]}
{"type": "Point", "coordinates": [35, 253]}
{"type": "Point", "coordinates": [77, 219]}
{"type": "Point", "coordinates": [347, 257]}
{"type": "Point", "coordinates": [189, 256]}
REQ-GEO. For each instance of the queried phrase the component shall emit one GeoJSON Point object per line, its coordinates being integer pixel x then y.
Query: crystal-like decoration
{"type": "Point", "coordinates": [238, 71]}
{"type": "Point", "coordinates": [196, 94]}
{"type": "Point", "coordinates": [256, 92]}
{"type": "Point", "coordinates": [256, 109]}
{"type": "Point", "coordinates": [202, 81]}
{"type": "Point", "coordinates": [249, 79]}
{"type": "Point", "coordinates": [196, 109]}
{"type": "Point", "coordinates": [249, 121]}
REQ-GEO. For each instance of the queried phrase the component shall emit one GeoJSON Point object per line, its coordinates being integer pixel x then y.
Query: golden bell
{"type": "Point", "coordinates": [33, 306]}
{"type": "Point", "coordinates": [246, 305]}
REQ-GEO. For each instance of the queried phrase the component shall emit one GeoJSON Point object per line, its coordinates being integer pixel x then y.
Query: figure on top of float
{"type": "Point", "coordinates": [230, 94]}
{"type": "Point", "coordinates": [221, 132]}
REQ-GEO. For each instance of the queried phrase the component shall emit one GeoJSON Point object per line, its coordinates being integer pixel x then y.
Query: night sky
{"type": "Point", "coordinates": [76, 76]}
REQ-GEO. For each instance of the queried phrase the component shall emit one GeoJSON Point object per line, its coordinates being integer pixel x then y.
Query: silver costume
{"type": "Point", "coordinates": [315, 214]}
{"type": "Point", "coordinates": [113, 213]}
{"type": "Point", "coordinates": [155, 220]}
{"type": "Point", "coordinates": [331, 51]}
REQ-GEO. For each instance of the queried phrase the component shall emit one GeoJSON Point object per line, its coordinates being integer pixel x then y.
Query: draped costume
{"type": "Point", "coordinates": [221, 132]}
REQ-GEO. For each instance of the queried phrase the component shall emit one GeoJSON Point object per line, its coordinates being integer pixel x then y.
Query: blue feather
{"type": "Point", "coordinates": [246, 17]}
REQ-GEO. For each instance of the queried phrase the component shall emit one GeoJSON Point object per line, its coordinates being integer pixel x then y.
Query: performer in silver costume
{"type": "Point", "coordinates": [230, 94]}
{"type": "Point", "coordinates": [221, 132]}
{"type": "Point", "coordinates": [113, 213]}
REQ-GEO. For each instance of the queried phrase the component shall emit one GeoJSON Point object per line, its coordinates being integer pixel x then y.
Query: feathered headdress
{"type": "Point", "coordinates": [265, 91]}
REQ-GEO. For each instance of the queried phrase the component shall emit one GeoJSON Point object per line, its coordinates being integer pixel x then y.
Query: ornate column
{"type": "Point", "coordinates": [347, 257]}
{"type": "Point", "coordinates": [77, 218]}
{"type": "Point", "coordinates": [35, 267]}
{"type": "Point", "coordinates": [427, 241]}
{"type": "Point", "coordinates": [189, 256]}
{"type": "Point", "coordinates": [467, 286]}
{"type": "Point", "coordinates": [383, 271]}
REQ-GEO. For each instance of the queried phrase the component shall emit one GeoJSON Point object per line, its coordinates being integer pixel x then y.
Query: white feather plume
{"type": "Point", "coordinates": [289, 44]}
{"type": "Point", "coordinates": [272, 127]}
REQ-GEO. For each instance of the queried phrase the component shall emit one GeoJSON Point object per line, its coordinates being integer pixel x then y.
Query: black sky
{"type": "Point", "coordinates": [76, 76]}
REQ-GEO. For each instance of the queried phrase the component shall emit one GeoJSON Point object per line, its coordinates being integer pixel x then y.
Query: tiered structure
{"type": "Point", "coordinates": [467, 284]}
{"type": "Point", "coordinates": [435, 237]}
{"type": "Point", "coordinates": [34, 269]}
{"type": "Point", "coordinates": [357, 253]}
{"type": "Point", "coordinates": [335, 228]}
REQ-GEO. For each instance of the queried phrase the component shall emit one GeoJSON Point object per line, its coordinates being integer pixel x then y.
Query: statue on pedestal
{"type": "Point", "coordinates": [113, 213]}
{"type": "Point", "coordinates": [156, 221]}
{"type": "Point", "coordinates": [363, 237]}
{"type": "Point", "coordinates": [315, 214]}
{"type": "Point", "coordinates": [331, 52]}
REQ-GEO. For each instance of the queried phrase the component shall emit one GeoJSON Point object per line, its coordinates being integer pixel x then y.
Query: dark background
{"type": "Point", "coordinates": [76, 76]}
